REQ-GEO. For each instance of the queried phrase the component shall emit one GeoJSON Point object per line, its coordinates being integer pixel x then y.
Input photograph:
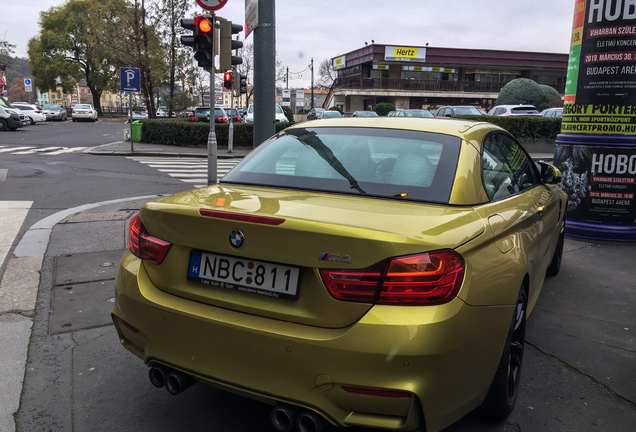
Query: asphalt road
{"type": "Point", "coordinates": [580, 364]}
{"type": "Point", "coordinates": [67, 133]}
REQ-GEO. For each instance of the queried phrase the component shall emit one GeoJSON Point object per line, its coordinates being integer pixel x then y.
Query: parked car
{"type": "Point", "coordinates": [410, 113]}
{"type": "Point", "coordinates": [24, 120]}
{"type": "Point", "coordinates": [84, 112]}
{"type": "Point", "coordinates": [54, 112]}
{"type": "Point", "coordinates": [452, 111]}
{"type": "Point", "coordinates": [32, 112]}
{"type": "Point", "coordinates": [279, 114]}
{"type": "Point", "coordinates": [236, 115]}
{"type": "Point", "coordinates": [364, 114]}
{"type": "Point", "coordinates": [331, 114]}
{"type": "Point", "coordinates": [139, 115]}
{"type": "Point", "coordinates": [161, 113]}
{"type": "Point", "coordinates": [514, 111]}
{"type": "Point", "coordinates": [9, 119]}
{"type": "Point", "coordinates": [201, 114]}
{"type": "Point", "coordinates": [552, 113]}
{"type": "Point", "coordinates": [315, 113]}
{"type": "Point", "coordinates": [220, 115]}
{"type": "Point", "coordinates": [375, 275]}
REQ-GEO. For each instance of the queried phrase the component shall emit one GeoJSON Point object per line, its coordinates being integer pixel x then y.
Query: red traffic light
{"type": "Point", "coordinates": [203, 24]}
{"type": "Point", "coordinates": [227, 80]}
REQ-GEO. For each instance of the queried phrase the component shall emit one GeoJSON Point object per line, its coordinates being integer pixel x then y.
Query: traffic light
{"type": "Point", "coordinates": [227, 44]}
{"type": "Point", "coordinates": [204, 40]}
{"type": "Point", "coordinates": [243, 84]}
{"type": "Point", "coordinates": [188, 24]}
{"type": "Point", "coordinates": [227, 80]}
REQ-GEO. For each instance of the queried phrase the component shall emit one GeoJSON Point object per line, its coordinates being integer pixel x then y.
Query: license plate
{"type": "Point", "coordinates": [257, 277]}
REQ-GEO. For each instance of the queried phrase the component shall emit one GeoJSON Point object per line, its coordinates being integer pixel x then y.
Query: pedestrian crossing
{"type": "Point", "coordinates": [48, 151]}
{"type": "Point", "coordinates": [187, 169]}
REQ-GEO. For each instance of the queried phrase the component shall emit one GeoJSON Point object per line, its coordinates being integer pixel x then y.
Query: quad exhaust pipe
{"type": "Point", "coordinates": [174, 381]}
{"type": "Point", "coordinates": [286, 418]}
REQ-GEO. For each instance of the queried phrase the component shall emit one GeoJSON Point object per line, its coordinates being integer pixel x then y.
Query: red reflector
{"type": "Point", "coordinates": [417, 280]}
{"type": "Point", "coordinates": [382, 393]}
{"type": "Point", "coordinates": [128, 326]}
{"type": "Point", "coordinates": [220, 214]}
{"type": "Point", "coordinates": [145, 246]}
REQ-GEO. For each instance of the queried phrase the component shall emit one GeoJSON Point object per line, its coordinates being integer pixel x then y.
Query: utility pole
{"type": "Point", "coordinates": [312, 82]}
{"type": "Point", "coordinates": [264, 72]}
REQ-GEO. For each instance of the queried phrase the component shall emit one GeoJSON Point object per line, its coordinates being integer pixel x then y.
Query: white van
{"type": "Point", "coordinates": [280, 115]}
{"type": "Point", "coordinates": [9, 117]}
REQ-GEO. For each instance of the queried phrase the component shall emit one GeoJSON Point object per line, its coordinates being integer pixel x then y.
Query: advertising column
{"type": "Point", "coordinates": [596, 150]}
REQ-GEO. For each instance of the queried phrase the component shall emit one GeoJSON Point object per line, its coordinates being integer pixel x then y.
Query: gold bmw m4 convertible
{"type": "Point", "coordinates": [378, 271]}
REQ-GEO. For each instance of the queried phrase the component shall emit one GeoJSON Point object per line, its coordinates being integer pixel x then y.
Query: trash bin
{"type": "Point", "coordinates": [136, 131]}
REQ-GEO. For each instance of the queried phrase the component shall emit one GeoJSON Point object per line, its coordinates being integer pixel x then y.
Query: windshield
{"type": "Point", "coordinates": [467, 111]}
{"type": "Point", "coordinates": [387, 163]}
{"type": "Point", "coordinates": [50, 107]}
{"type": "Point", "coordinates": [4, 103]}
{"type": "Point", "coordinates": [418, 113]}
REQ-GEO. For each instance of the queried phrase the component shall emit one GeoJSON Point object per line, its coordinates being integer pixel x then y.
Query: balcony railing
{"type": "Point", "coordinates": [420, 85]}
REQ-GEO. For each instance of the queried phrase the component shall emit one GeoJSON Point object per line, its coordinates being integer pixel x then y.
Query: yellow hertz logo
{"type": "Point", "coordinates": [405, 52]}
{"type": "Point", "coordinates": [339, 62]}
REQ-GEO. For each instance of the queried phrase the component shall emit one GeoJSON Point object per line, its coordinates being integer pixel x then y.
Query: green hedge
{"type": "Point", "coordinates": [525, 128]}
{"type": "Point", "coordinates": [182, 132]}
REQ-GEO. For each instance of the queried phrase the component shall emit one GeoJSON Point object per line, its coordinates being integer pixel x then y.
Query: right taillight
{"type": "Point", "coordinates": [145, 246]}
{"type": "Point", "coordinates": [424, 279]}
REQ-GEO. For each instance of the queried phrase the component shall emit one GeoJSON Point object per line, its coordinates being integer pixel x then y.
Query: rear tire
{"type": "Point", "coordinates": [504, 388]}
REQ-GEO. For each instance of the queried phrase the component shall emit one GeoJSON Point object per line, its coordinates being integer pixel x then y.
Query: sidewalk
{"type": "Point", "coordinates": [126, 148]}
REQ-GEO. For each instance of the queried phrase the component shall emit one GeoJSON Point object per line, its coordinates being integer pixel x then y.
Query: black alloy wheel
{"type": "Point", "coordinates": [503, 391]}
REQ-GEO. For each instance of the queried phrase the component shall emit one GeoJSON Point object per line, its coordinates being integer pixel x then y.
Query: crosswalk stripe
{"type": "Point", "coordinates": [10, 149]}
{"type": "Point", "coordinates": [48, 151]}
{"type": "Point", "coordinates": [189, 170]}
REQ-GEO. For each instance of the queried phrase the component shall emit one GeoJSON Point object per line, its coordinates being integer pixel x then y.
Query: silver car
{"type": "Point", "coordinates": [54, 112]}
{"type": "Point", "coordinates": [514, 111]}
{"type": "Point", "coordinates": [84, 111]}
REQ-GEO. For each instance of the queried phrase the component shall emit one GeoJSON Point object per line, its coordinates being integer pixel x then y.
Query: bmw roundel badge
{"type": "Point", "coordinates": [237, 239]}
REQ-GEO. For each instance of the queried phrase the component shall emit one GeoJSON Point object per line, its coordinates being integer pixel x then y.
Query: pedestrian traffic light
{"type": "Point", "coordinates": [226, 59]}
{"type": "Point", "coordinates": [188, 24]}
{"type": "Point", "coordinates": [227, 80]}
{"type": "Point", "coordinates": [204, 41]}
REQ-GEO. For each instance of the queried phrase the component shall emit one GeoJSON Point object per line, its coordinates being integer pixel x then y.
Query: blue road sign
{"type": "Point", "coordinates": [130, 79]}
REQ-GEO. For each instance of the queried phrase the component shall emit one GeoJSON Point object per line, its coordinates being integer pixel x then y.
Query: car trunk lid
{"type": "Point", "coordinates": [285, 233]}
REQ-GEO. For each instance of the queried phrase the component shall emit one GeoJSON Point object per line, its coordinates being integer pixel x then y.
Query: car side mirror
{"type": "Point", "coordinates": [549, 173]}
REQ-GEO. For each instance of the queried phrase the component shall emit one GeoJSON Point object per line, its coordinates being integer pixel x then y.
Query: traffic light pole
{"type": "Point", "coordinates": [212, 145]}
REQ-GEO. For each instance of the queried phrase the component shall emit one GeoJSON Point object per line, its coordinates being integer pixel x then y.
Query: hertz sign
{"type": "Point", "coordinates": [394, 53]}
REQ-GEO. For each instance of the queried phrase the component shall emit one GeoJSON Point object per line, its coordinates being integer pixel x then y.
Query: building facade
{"type": "Point", "coordinates": [427, 77]}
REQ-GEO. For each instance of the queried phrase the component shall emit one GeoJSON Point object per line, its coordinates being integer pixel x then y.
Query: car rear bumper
{"type": "Point", "coordinates": [442, 358]}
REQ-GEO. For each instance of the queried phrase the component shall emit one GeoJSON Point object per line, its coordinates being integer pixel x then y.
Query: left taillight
{"type": "Point", "coordinates": [416, 280]}
{"type": "Point", "coordinates": [145, 246]}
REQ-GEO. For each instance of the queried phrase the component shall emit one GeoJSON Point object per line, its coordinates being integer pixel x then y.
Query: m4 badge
{"type": "Point", "coordinates": [336, 258]}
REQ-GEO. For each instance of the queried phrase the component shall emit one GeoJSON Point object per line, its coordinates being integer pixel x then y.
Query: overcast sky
{"type": "Point", "coordinates": [322, 29]}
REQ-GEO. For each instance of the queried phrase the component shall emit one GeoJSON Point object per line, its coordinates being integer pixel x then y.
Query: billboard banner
{"type": "Point", "coordinates": [600, 95]}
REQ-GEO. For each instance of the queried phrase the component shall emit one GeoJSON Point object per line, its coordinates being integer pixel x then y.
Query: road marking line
{"type": "Point", "coordinates": [10, 149]}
